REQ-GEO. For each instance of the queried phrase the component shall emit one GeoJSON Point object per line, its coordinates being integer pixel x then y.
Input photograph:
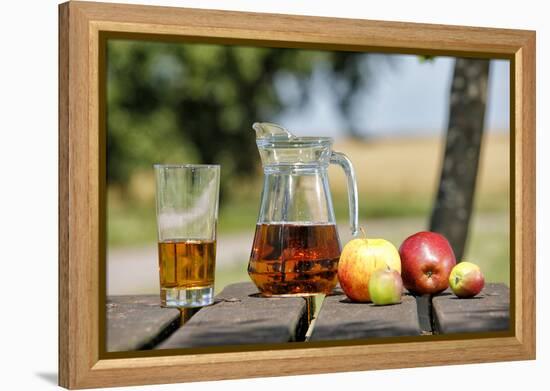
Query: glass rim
{"type": "Point", "coordinates": [298, 142]}
{"type": "Point", "coordinates": [297, 139]}
{"type": "Point", "coordinates": [159, 165]}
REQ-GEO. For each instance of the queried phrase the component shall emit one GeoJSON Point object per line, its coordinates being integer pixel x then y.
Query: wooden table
{"type": "Point", "coordinates": [240, 316]}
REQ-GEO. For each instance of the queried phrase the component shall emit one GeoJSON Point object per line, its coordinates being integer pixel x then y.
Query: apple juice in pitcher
{"type": "Point", "coordinates": [294, 258]}
{"type": "Point", "coordinates": [296, 247]}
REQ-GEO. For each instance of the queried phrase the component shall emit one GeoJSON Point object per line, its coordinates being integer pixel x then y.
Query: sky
{"type": "Point", "coordinates": [408, 97]}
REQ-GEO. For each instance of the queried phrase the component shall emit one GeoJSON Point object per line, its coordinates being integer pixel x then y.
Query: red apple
{"type": "Point", "coordinates": [426, 262]}
{"type": "Point", "coordinates": [466, 279]}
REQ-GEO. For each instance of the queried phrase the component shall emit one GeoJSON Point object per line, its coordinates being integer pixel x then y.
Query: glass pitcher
{"type": "Point", "coordinates": [296, 245]}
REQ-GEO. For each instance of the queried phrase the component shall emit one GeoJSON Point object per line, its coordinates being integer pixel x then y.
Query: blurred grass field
{"type": "Point", "coordinates": [397, 182]}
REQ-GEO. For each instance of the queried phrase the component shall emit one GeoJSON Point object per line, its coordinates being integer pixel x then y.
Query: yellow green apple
{"type": "Point", "coordinates": [385, 287]}
{"type": "Point", "coordinates": [466, 279]}
{"type": "Point", "coordinates": [359, 259]}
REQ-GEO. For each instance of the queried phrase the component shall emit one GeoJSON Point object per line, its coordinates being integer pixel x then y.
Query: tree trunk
{"type": "Point", "coordinates": [453, 206]}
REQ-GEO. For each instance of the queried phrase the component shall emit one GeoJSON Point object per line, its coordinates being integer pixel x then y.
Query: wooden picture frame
{"type": "Point", "coordinates": [83, 28]}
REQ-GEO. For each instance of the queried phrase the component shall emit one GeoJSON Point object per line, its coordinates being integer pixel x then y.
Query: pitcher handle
{"type": "Point", "coordinates": [344, 162]}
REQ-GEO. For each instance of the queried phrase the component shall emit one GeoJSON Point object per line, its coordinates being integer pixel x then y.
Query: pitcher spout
{"type": "Point", "coordinates": [266, 130]}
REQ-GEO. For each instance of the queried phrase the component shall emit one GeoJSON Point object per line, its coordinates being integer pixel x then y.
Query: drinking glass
{"type": "Point", "coordinates": [187, 212]}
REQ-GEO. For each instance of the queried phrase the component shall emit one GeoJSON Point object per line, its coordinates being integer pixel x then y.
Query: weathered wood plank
{"type": "Point", "coordinates": [240, 316]}
{"type": "Point", "coordinates": [489, 311]}
{"type": "Point", "coordinates": [341, 319]}
{"type": "Point", "coordinates": [138, 322]}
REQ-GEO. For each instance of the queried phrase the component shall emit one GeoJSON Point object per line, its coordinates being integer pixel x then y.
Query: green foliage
{"type": "Point", "coordinates": [426, 58]}
{"type": "Point", "coordinates": [196, 102]}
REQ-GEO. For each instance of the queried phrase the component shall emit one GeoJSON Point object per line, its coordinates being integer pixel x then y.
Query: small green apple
{"type": "Point", "coordinates": [385, 287]}
{"type": "Point", "coordinates": [466, 279]}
